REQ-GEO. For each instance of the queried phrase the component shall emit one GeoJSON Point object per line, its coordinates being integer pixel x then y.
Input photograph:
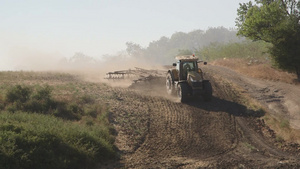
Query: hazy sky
{"type": "Point", "coordinates": [35, 29]}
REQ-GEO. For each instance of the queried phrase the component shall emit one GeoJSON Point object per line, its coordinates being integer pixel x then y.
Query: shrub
{"type": "Point", "coordinates": [39, 100]}
{"type": "Point", "coordinates": [18, 93]}
{"type": "Point", "coordinates": [66, 111]}
{"type": "Point", "coordinates": [43, 141]}
{"type": "Point", "coordinates": [86, 99]}
{"type": "Point", "coordinates": [43, 93]}
{"type": "Point", "coordinates": [93, 110]}
{"type": "Point", "coordinates": [246, 49]}
{"type": "Point", "coordinates": [2, 106]}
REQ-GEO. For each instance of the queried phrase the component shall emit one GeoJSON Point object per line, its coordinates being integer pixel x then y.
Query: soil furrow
{"type": "Point", "coordinates": [220, 133]}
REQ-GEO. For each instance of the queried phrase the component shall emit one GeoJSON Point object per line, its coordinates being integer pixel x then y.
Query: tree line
{"type": "Point", "coordinates": [165, 49]}
{"type": "Point", "coordinates": [271, 26]}
{"type": "Point", "coordinates": [265, 28]}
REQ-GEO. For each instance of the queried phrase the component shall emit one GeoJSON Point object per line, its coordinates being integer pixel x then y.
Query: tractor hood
{"type": "Point", "coordinates": [194, 76]}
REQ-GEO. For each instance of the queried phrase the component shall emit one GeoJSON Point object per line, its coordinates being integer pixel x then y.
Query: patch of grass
{"type": "Point", "coordinates": [251, 147]}
{"type": "Point", "coordinates": [258, 68]}
{"type": "Point", "coordinates": [281, 125]}
{"type": "Point", "coordinates": [284, 123]}
{"type": "Point", "coordinates": [46, 127]}
{"type": "Point", "coordinates": [282, 128]}
{"type": "Point", "coordinates": [279, 139]}
{"type": "Point", "coordinates": [2, 106]}
{"type": "Point", "coordinates": [86, 99]}
{"type": "Point", "coordinates": [43, 141]}
{"type": "Point", "coordinates": [38, 99]}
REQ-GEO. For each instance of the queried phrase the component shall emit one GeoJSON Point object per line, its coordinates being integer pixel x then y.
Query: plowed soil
{"type": "Point", "coordinates": [156, 131]}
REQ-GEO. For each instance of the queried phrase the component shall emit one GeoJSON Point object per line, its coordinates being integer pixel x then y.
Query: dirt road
{"type": "Point", "coordinates": [153, 131]}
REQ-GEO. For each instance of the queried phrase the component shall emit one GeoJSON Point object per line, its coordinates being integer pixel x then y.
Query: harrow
{"type": "Point", "coordinates": [136, 75]}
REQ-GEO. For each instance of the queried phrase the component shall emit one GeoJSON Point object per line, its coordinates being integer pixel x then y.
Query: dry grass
{"type": "Point", "coordinates": [282, 128]}
{"type": "Point", "coordinates": [257, 68]}
{"type": "Point", "coordinates": [262, 69]}
{"type": "Point", "coordinates": [280, 125]}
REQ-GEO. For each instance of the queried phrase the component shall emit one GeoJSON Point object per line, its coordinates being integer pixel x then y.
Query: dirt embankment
{"type": "Point", "coordinates": [280, 99]}
{"type": "Point", "coordinates": [153, 131]}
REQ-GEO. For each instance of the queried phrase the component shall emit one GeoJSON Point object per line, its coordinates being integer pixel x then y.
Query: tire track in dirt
{"type": "Point", "coordinates": [197, 134]}
{"type": "Point", "coordinates": [262, 148]}
{"type": "Point", "coordinates": [178, 132]}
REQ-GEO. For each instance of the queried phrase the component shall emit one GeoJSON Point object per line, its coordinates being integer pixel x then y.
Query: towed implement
{"type": "Point", "coordinates": [136, 75]}
{"type": "Point", "coordinates": [186, 79]}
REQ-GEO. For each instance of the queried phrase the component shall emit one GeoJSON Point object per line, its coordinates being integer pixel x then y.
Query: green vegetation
{"type": "Point", "coordinates": [219, 43]}
{"type": "Point", "coordinates": [165, 49]}
{"type": "Point", "coordinates": [284, 123]}
{"type": "Point", "coordinates": [43, 141]}
{"type": "Point", "coordinates": [245, 49]}
{"type": "Point", "coordinates": [209, 45]}
{"type": "Point", "coordinates": [251, 147]}
{"type": "Point", "coordinates": [275, 22]}
{"type": "Point", "coordinates": [25, 98]}
{"type": "Point", "coordinates": [42, 131]}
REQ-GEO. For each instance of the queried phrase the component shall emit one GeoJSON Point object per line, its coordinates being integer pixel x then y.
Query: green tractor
{"type": "Point", "coordinates": [186, 80]}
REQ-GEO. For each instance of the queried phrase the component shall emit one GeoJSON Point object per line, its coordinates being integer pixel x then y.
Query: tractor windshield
{"type": "Point", "coordinates": [188, 66]}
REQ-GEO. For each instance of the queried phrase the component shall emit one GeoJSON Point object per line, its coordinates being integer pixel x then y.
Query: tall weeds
{"type": "Point", "coordinates": [39, 131]}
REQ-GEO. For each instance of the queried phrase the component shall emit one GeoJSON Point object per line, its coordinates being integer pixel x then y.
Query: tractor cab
{"type": "Point", "coordinates": [187, 67]}
{"type": "Point", "coordinates": [186, 79]}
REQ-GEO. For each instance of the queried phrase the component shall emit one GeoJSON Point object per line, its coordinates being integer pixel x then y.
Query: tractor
{"type": "Point", "coordinates": [186, 80]}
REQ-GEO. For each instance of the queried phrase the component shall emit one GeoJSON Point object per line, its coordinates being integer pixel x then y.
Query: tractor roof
{"type": "Point", "coordinates": [187, 58]}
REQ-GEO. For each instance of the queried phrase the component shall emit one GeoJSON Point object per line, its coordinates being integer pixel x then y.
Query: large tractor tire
{"type": "Point", "coordinates": [182, 92]}
{"type": "Point", "coordinates": [170, 85]}
{"type": "Point", "coordinates": [207, 95]}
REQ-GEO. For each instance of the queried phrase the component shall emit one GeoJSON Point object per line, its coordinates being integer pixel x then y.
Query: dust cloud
{"type": "Point", "coordinates": [26, 59]}
{"type": "Point", "coordinates": [86, 67]}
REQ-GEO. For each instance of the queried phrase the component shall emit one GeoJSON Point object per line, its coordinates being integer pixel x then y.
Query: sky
{"type": "Point", "coordinates": [35, 30]}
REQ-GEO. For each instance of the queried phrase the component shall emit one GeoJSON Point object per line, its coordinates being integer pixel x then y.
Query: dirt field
{"type": "Point", "coordinates": [156, 131]}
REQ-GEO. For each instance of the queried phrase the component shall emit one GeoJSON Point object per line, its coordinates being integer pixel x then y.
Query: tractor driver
{"type": "Point", "coordinates": [186, 69]}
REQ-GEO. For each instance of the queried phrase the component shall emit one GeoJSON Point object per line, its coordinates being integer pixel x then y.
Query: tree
{"type": "Point", "coordinates": [275, 22]}
{"type": "Point", "coordinates": [134, 49]}
{"type": "Point", "coordinates": [81, 58]}
{"type": "Point", "coordinates": [182, 52]}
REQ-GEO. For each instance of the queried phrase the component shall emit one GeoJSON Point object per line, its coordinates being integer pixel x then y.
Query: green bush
{"type": "Point", "coordinates": [245, 49]}
{"type": "Point", "coordinates": [39, 100]}
{"type": "Point", "coordinates": [18, 94]}
{"type": "Point", "coordinates": [66, 111]}
{"type": "Point", "coordinates": [26, 99]}
{"type": "Point", "coordinates": [43, 141]}
{"type": "Point", "coordinates": [86, 99]}
{"type": "Point", "coordinates": [2, 106]}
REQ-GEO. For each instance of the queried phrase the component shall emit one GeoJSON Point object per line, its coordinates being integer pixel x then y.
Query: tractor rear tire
{"type": "Point", "coordinates": [207, 95]}
{"type": "Point", "coordinates": [182, 92]}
